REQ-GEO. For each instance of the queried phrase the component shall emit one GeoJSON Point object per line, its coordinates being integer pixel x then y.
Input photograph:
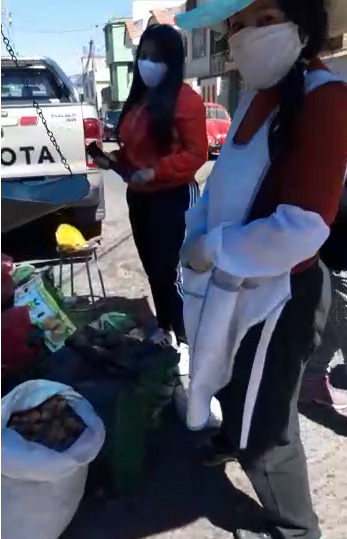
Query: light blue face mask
{"type": "Point", "coordinates": [152, 73]}
{"type": "Point", "coordinates": [210, 13]}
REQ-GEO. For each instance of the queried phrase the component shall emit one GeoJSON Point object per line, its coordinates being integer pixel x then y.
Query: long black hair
{"type": "Point", "coordinates": [160, 101]}
{"type": "Point", "coordinates": [312, 20]}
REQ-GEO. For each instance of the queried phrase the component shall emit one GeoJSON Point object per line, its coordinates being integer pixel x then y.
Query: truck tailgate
{"type": "Point", "coordinates": [26, 149]}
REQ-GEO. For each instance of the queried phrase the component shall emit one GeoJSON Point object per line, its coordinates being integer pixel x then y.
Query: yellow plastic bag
{"type": "Point", "coordinates": [69, 238]}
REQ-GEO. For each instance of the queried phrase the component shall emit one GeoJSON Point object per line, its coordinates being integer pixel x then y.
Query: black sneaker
{"type": "Point", "coordinates": [216, 452]}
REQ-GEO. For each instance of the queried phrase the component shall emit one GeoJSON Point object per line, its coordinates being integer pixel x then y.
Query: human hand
{"type": "Point", "coordinates": [102, 161]}
{"type": "Point", "coordinates": [194, 254]}
{"type": "Point", "coordinates": [141, 177]}
{"type": "Point", "coordinates": [113, 156]}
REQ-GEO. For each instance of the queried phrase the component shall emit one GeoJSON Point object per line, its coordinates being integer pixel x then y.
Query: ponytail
{"type": "Point", "coordinates": [292, 95]}
{"type": "Point", "coordinates": [312, 20]}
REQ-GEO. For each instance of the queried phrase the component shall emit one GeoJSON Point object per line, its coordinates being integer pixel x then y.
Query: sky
{"type": "Point", "coordinates": [60, 29]}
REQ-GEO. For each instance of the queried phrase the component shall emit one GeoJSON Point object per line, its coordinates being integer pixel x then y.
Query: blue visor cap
{"type": "Point", "coordinates": [210, 13]}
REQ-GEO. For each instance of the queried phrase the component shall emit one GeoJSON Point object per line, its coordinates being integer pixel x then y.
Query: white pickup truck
{"type": "Point", "coordinates": [28, 156]}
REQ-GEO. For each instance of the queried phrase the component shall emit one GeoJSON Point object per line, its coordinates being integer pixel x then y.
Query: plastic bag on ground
{"type": "Point", "coordinates": [42, 488]}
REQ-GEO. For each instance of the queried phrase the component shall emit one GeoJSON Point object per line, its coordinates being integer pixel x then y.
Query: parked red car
{"type": "Point", "coordinates": [109, 124]}
{"type": "Point", "coordinates": [217, 125]}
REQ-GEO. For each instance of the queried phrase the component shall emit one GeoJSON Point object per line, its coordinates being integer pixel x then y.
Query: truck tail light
{"type": "Point", "coordinates": [28, 120]}
{"type": "Point", "coordinates": [92, 133]}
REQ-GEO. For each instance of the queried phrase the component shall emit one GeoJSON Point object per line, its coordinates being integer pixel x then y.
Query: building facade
{"type": "Point", "coordinates": [119, 59]}
{"type": "Point", "coordinates": [146, 12]}
{"type": "Point", "coordinates": [210, 69]}
{"type": "Point", "coordinates": [95, 79]}
{"type": "Point", "coordinates": [208, 62]}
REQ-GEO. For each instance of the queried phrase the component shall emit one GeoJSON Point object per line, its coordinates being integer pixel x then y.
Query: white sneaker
{"type": "Point", "coordinates": [162, 338]}
{"type": "Point", "coordinates": [183, 365]}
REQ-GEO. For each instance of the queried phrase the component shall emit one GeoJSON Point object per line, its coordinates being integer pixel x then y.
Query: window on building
{"type": "Point", "coordinates": [219, 44]}
{"type": "Point", "coordinates": [213, 97]}
{"type": "Point", "coordinates": [199, 43]}
{"type": "Point", "coordinates": [208, 94]}
{"type": "Point", "coordinates": [204, 94]}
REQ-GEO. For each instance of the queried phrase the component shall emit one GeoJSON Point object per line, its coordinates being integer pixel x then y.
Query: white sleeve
{"type": "Point", "coordinates": [271, 246]}
{"type": "Point", "coordinates": [196, 217]}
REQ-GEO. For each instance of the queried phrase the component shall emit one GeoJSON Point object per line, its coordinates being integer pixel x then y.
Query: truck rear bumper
{"type": "Point", "coordinates": [20, 210]}
{"type": "Point", "coordinates": [16, 213]}
{"type": "Point", "coordinates": [95, 198]}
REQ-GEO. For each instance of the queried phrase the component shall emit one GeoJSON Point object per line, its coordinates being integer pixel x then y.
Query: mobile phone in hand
{"type": "Point", "coordinates": [94, 151]}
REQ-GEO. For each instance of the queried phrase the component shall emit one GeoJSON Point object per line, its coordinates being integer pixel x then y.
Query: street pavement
{"type": "Point", "coordinates": [180, 498]}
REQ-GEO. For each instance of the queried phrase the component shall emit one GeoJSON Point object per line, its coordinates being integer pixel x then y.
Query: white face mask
{"type": "Point", "coordinates": [265, 55]}
{"type": "Point", "coordinates": [152, 73]}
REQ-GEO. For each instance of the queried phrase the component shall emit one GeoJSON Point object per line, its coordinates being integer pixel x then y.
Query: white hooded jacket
{"type": "Point", "coordinates": [250, 279]}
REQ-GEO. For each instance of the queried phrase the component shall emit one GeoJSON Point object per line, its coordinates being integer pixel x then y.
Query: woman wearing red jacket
{"type": "Point", "coordinates": [162, 139]}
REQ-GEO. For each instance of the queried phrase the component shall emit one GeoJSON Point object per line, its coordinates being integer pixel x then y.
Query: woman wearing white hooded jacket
{"type": "Point", "coordinates": [252, 280]}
